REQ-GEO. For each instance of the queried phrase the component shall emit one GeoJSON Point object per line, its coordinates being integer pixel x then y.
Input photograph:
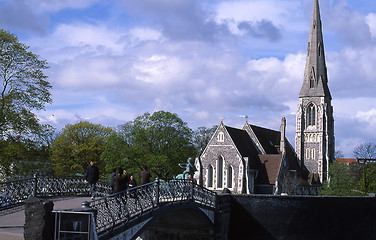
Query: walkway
{"type": "Point", "coordinates": [11, 225]}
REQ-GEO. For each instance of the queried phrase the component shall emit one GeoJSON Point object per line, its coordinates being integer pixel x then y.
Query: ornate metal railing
{"type": "Point", "coordinates": [13, 193]}
{"type": "Point", "coordinates": [124, 206]}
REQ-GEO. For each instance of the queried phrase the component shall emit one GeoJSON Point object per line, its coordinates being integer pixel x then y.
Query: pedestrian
{"type": "Point", "coordinates": [120, 182]}
{"type": "Point", "coordinates": [92, 176]}
{"type": "Point", "coordinates": [145, 176]}
{"type": "Point", "coordinates": [132, 182]}
{"type": "Point", "coordinates": [112, 184]}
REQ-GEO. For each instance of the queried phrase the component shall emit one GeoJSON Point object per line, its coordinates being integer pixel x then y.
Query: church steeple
{"type": "Point", "coordinates": [315, 82]}
{"type": "Point", "coordinates": [314, 139]}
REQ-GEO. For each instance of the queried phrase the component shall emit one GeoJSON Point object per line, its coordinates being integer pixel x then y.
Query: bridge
{"type": "Point", "coordinates": [125, 215]}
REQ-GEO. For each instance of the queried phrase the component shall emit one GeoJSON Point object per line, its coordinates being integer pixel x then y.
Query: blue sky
{"type": "Point", "coordinates": [113, 60]}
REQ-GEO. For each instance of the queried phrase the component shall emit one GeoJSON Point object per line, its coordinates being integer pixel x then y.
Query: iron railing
{"type": "Point", "coordinates": [124, 206]}
{"type": "Point", "coordinates": [13, 193]}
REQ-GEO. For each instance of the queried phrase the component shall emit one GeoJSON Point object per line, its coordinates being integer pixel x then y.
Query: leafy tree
{"type": "Point", "coordinates": [341, 182]}
{"type": "Point", "coordinates": [23, 157]}
{"type": "Point", "coordinates": [365, 150]}
{"type": "Point", "coordinates": [24, 88]}
{"type": "Point", "coordinates": [76, 145]}
{"type": "Point", "coordinates": [367, 181]}
{"type": "Point", "coordinates": [115, 152]}
{"type": "Point", "coordinates": [160, 141]}
{"type": "Point", "coordinates": [202, 136]}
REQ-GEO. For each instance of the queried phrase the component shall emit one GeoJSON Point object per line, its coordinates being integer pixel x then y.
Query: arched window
{"type": "Point", "coordinates": [313, 153]}
{"type": "Point", "coordinates": [307, 153]}
{"type": "Point", "coordinates": [210, 176]}
{"type": "Point", "coordinates": [220, 172]}
{"type": "Point", "coordinates": [229, 177]}
{"type": "Point", "coordinates": [221, 137]}
{"type": "Point", "coordinates": [311, 115]}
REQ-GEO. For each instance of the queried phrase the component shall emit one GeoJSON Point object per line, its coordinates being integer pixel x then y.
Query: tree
{"type": "Point", "coordinates": [202, 136]}
{"type": "Point", "coordinates": [159, 141]}
{"type": "Point", "coordinates": [339, 154]}
{"type": "Point", "coordinates": [115, 152]}
{"type": "Point", "coordinates": [365, 150]}
{"type": "Point", "coordinates": [341, 182]}
{"type": "Point", "coordinates": [367, 181]}
{"type": "Point", "coordinates": [76, 145]}
{"type": "Point", "coordinates": [24, 88]}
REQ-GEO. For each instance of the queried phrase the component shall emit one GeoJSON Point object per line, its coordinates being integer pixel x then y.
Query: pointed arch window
{"type": "Point", "coordinates": [229, 176]}
{"type": "Point", "coordinates": [210, 176]}
{"type": "Point", "coordinates": [311, 115]}
{"type": "Point", "coordinates": [220, 172]}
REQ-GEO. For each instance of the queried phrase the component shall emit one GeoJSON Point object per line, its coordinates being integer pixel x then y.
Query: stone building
{"type": "Point", "coordinates": [314, 139]}
{"type": "Point", "coordinates": [259, 160]}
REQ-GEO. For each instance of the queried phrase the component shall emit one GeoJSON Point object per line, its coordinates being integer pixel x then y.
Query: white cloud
{"type": "Point", "coordinates": [57, 5]}
{"type": "Point", "coordinates": [371, 21]}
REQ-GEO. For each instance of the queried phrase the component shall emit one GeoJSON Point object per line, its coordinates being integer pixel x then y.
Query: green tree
{"type": "Point", "coordinates": [24, 88]}
{"type": "Point", "coordinates": [367, 181]}
{"type": "Point", "coordinates": [76, 145]}
{"type": "Point", "coordinates": [24, 91]}
{"type": "Point", "coordinates": [341, 182]}
{"type": "Point", "coordinates": [116, 152]}
{"type": "Point", "coordinates": [159, 141]}
{"type": "Point", "coordinates": [23, 157]}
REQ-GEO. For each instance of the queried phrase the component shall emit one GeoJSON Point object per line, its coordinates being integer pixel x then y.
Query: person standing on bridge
{"type": "Point", "coordinates": [145, 176]}
{"type": "Point", "coordinates": [92, 176]}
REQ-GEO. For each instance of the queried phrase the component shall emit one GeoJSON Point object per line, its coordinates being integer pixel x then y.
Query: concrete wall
{"type": "Point", "coordinates": [289, 217]}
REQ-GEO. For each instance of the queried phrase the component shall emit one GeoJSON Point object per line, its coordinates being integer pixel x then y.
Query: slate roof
{"type": "Point", "coordinates": [271, 164]}
{"type": "Point", "coordinates": [244, 144]}
{"type": "Point", "coordinates": [269, 139]}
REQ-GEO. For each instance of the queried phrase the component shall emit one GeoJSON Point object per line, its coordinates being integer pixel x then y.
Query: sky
{"type": "Point", "coordinates": [113, 60]}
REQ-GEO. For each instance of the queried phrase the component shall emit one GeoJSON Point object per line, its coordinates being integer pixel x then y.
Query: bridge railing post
{"type": "Point", "coordinates": [157, 192]}
{"type": "Point", "coordinates": [35, 190]}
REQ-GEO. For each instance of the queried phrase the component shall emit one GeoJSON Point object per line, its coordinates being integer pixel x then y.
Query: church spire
{"type": "Point", "coordinates": [315, 82]}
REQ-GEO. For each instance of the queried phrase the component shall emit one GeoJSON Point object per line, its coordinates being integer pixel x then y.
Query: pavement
{"type": "Point", "coordinates": [12, 224]}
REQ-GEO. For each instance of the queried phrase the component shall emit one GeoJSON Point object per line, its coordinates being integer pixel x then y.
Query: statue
{"type": "Point", "coordinates": [190, 169]}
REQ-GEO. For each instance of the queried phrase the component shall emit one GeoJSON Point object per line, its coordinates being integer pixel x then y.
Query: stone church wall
{"type": "Point", "coordinates": [228, 152]}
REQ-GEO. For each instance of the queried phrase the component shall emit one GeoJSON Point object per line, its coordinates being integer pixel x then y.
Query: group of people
{"type": "Point", "coordinates": [120, 180]}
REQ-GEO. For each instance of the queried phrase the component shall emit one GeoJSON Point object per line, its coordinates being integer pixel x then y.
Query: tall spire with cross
{"type": "Point", "coordinates": [314, 139]}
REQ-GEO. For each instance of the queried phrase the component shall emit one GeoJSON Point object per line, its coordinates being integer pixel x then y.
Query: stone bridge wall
{"type": "Point", "coordinates": [290, 217]}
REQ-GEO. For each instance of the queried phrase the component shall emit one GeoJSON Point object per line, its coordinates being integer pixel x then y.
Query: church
{"type": "Point", "coordinates": [257, 160]}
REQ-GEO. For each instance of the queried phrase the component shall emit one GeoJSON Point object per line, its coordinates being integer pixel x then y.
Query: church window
{"type": "Point", "coordinates": [313, 153]}
{"type": "Point", "coordinates": [220, 172]}
{"type": "Point", "coordinates": [229, 176]}
{"type": "Point", "coordinates": [210, 176]}
{"type": "Point", "coordinates": [221, 137]}
{"type": "Point", "coordinates": [312, 78]}
{"type": "Point", "coordinates": [311, 115]}
{"type": "Point", "coordinates": [307, 153]}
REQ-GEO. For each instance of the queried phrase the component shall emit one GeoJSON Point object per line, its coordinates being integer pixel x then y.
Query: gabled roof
{"type": "Point", "coordinates": [269, 170]}
{"type": "Point", "coordinates": [269, 139]}
{"type": "Point", "coordinates": [242, 141]}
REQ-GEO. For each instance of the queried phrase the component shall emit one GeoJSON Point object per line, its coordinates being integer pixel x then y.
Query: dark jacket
{"type": "Point", "coordinates": [145, 177]}
{"type": "Point", "coordinates": [92, 174]}
{"type": "Point", "coordinates": [120, 183]}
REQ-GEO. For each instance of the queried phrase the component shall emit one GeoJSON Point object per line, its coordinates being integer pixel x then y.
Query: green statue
{"type": "Point", "coordinates": [190, 169]}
